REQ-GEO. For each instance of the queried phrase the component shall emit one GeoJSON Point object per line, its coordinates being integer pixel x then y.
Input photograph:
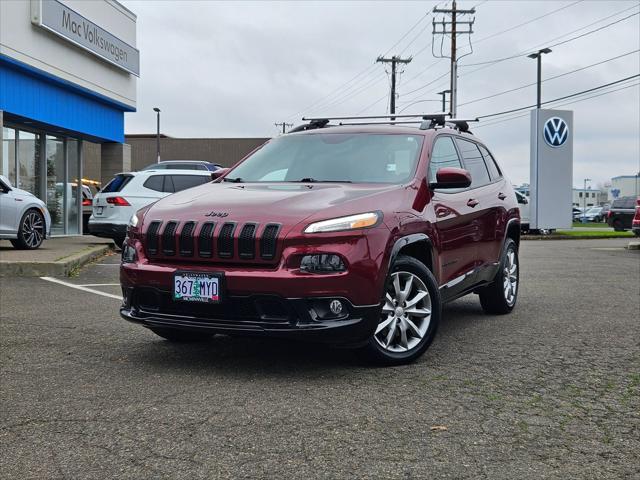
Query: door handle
{"type": "Point", "coordinates": [472, 202]}
{"type": "Point", "coordinates": [502, 196]}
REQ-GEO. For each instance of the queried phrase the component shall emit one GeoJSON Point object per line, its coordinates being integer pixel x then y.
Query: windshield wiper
{"type": "Point", "coordinates": [313, 180]}
{"type": "Point", "coordinates": [233, 180]}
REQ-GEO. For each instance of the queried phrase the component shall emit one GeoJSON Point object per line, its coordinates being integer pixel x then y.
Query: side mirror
{"type": "Point", "coordinates": [451, 177]}
{"type": "Point", "coordinates": [216, 174]}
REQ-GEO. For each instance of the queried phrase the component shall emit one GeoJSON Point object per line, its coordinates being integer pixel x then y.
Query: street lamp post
{"type": "Point", "coordinates": [538, 56]}
{"type": "Point", "coordinates": [584, 201]}
{"type": "Point", "coordinates": [444, 99]}
{"type": "Point", "coordinates": [157, 110]}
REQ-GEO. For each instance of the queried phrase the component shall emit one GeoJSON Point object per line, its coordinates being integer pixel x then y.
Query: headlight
{"type": "Point", "coordinates": [133, 221]}
{"type": "Point", "coordinates": [352, 222]}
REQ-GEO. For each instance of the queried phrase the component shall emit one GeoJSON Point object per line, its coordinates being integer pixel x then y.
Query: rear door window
{"type": "Point", "coordinates": [117, 184]}
{"type": "Point", "coordinates": [443, 154]}
{"type": "Point", "coordinates": [155, 182]}
{"type": "Point", "coordinates": [474, 163]}
{"type": "Point", "coordinates": [182, 182]}
{"type": "Point", "coordinates": [490, 162]}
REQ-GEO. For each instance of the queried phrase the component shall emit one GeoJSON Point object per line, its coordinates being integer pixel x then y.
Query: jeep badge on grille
{"type": "Point", "coordinates": [216, 214]}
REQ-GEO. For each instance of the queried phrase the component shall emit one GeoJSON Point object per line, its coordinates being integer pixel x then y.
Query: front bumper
{"type": "Point", "coordinates": [270, 315]}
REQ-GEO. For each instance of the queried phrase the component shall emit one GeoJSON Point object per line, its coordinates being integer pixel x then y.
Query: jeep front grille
{"type": "Point", "coordinates": [209, 240]}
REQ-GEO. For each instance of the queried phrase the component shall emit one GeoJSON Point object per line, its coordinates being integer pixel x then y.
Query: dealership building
{"type": "Point", "coordinates": [68, 71]}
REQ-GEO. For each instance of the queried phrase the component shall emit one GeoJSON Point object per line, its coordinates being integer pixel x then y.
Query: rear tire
{"type": "Point", "coordinates": [180, 336]}
{"type": "Point", "coordinates": [617, 226]}
{"type": "Point", "coordinates": [409, 317]}
{"type": "Point", "coordinates": [118, 241]}
{"type": "Point", "coordinates": [499, 297]}
{"type": "Point", "coordinates": [31, 231]}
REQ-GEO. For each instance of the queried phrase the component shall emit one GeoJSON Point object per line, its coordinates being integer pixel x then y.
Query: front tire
{"type": "Point", "coordinates": [410, 314]}
{"type": "Point", "coordinates": [499, 297]}
{"type": "Point", "coordinates": [31, 231]}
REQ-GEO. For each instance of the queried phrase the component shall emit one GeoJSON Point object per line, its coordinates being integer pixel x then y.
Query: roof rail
{"type": "Point", "coordinates": [424, 116]}
{"type": "Point", "coordinates": [427, 121]}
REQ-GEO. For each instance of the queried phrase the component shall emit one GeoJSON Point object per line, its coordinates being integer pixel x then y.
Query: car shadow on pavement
{"type": "Point", "coordinates": [276, 356]}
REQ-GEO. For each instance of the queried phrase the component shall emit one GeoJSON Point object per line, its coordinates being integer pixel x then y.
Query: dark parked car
{"type": "Point", "coordinates": [635, 223]}
{"type": "Point", "coordinates": [621, 213]}
{"type": "Point", "coordinates": [357, 238]}
{"type": "Point", "coordinates": [184, 165]}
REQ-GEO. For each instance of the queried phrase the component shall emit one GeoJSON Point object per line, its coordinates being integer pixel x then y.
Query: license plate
{"type": "Point", "coordinates": [99, 210]}
{"type": "Point", "coordinates": [196, 287]}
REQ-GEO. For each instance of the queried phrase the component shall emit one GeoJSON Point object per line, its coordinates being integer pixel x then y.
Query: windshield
{"type": "Point", "coordinates": [333, 157]}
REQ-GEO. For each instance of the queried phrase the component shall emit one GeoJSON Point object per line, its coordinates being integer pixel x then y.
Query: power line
{"type": "Point", "coordinates": [495, 122]}
{"type": "Point", "coordinates": [599, 87]}
{"type": "Point", "coordinates": [366, 72]}
{"type": "Point", "coordinates": [499, 60]}
{"type": "Point", "coordinates": [283, 125]}
{"type": "Point", "coordinates": [550, 78]}
{"type": "Point", "coordinates": [482, 39]}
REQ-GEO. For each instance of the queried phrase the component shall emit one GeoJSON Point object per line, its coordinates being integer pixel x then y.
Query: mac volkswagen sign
{"type": "Point", "coordinates": [555, 132]}
{"type": "Point", "coordinates": [70, 25]}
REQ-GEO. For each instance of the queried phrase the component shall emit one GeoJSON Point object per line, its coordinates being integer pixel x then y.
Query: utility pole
{"type": "Point", "coordinates": [393, 61]}
{"type": "Point", "coordinates": [157, 110]}
{"type": "Point", "coordinates": [444, 99]}
{"type": "Point", "coordinates": [538, 56]}
{"type": "Point", "coordinates": [454, 32]}
{"type": "Point", "coordinates": [584, 203]}
{"type": "Point", "coordinates": [283, 125]}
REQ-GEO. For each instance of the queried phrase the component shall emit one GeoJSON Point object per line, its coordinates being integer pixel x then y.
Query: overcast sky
{"type": "Point", "coordinates": [219, 69]}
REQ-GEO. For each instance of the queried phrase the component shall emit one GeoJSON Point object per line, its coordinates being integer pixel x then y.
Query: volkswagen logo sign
{"type": "Point", "coordinates": [555, 132]}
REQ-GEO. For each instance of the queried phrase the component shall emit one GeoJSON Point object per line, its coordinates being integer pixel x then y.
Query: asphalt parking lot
{"type": "Point", "coordinates": [550, 391]}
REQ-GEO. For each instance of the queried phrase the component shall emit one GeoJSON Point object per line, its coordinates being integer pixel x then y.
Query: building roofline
{"type": "Point", "coordinates": [625, 176]}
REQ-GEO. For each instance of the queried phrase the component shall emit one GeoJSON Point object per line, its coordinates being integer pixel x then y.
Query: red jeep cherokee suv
{"type": "Point", "coordinates": [353, 235]}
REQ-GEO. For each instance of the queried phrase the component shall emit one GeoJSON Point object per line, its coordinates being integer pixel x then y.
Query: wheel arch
{"type": "Point", "coordinates": [416, 245]}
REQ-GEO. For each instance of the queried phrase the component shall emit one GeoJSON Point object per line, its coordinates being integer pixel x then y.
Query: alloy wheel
{"type": "Point", "coordinates": [32, 229]}
{"type": "Point", "coordinates": [406, 313]}
{"type": "Point", "coordinates": [510, 277]}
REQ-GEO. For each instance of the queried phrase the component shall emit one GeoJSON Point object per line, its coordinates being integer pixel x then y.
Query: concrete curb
{"type": "Point", "coordinates": [569, 237]}
{"type": "Point", "coordinates": [59, 268]}
{"type": "Point", "coordinates": [634, 245]}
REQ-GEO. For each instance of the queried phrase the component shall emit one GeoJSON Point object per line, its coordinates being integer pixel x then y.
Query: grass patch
{"type": "Point", "coordinates": [590, 225]}
{"type": "Point", "coordinates": [587, 234]}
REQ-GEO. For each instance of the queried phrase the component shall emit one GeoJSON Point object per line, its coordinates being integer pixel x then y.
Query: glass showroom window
{"type": "Point", "coordinates": [49, 166]}
{"type": "Point", "coordinates": [58, 195]}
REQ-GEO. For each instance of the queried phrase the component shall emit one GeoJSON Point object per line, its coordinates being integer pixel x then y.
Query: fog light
{"type": "Point", "coordinates": [336, 307]}
{"type": "Point", "coordinates": [129, 254]}
{"type": "Point", "coordinates": [322, 263]}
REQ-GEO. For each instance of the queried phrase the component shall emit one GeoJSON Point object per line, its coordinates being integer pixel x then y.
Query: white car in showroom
{"type": "Point", "coordinates": [24, 218]}
{"type": "Point", "coordinates": [127, 193]}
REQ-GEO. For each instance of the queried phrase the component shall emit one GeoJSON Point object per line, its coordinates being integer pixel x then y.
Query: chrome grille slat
{"type": "Point", "coordinates": [169, 239]}
{"type": "Point", "coordinates": [186, 239]}
{"type": "Point", "coordinates": [152, 237]}
{"type": "Point", "coordinates": [205, 240]}
{"type": "Point", "coordinates": [247, 241]}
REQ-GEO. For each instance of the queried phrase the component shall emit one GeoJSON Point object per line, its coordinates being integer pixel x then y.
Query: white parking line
{"type": "Point", "coordinates": [79, 287]}
{"type": "Point", "coordinates": [99, 285]}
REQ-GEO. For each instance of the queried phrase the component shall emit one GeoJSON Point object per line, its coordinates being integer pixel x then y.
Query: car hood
{"type": "Point", "coordinates": [287, 204]}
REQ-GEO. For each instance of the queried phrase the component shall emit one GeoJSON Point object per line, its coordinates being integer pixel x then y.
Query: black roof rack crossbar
{"type": "Point", "coordinates": [424, 116]}
{"type": "Point", "coordinates": [390, 122]}
{"type": "Point", "coordinates": [312, 125]}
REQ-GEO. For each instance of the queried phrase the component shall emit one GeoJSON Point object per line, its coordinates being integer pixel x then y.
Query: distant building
{"type": "Point", "coordinates": [586, 197]}
{"type": "Point", "coordinates": [224, 151]}
{"type": "Point", "coordinates": [624, 186]}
